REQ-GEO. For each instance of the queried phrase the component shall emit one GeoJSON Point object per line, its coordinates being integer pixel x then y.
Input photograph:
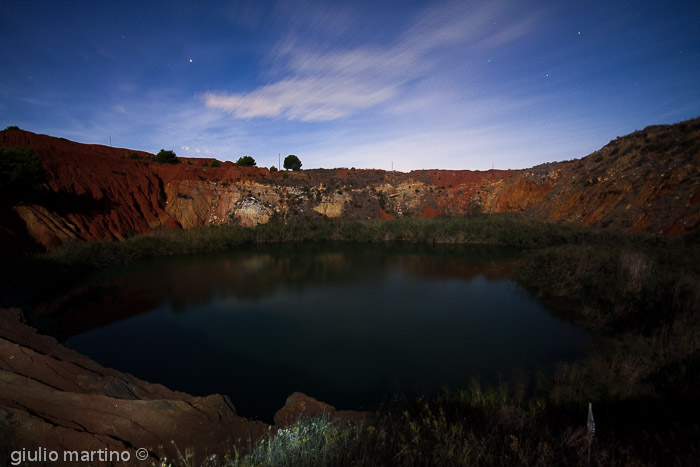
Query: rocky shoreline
{"type": "Point", "coordinates": [57, 400]}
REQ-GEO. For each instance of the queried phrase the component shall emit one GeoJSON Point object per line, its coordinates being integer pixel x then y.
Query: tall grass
{"type": "Point", "coordinates": [475, 426]}
{"type": "Point", "coordinates": [499, 229]}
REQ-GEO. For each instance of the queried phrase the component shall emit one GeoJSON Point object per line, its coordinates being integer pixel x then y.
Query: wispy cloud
{"type": "Point", "coordinates": [510, 32]}
{"type": "Point", "coordinates": [305, 99]}
{"type": "Point", "coordinates": [336, 82]}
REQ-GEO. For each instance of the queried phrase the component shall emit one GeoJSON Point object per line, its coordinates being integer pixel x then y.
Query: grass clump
{"type": "Point", "coordinates": [310, 441]}
{"type": "Point", "coordinates": [162, 242]}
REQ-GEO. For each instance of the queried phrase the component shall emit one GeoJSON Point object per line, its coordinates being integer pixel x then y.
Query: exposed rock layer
{"type": "Point", "coordinates": [56, 399]}
{"type": "Point", "coordinates": [647, 181]}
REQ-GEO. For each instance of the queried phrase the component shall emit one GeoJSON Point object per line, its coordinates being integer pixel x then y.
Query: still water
{"type": "Point", "coordinates": [349, 325]}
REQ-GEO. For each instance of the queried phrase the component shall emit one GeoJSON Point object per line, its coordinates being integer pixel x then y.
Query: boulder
{"type": "Point", "coordinates": [300, 405]}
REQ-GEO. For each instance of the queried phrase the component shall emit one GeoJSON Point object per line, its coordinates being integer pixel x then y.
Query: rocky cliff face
{"type": "Point", "coordinates": [647, 181]}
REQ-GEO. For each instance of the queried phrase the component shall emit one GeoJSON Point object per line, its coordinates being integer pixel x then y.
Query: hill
{"type": "Point", "coordinates": [646, 181]}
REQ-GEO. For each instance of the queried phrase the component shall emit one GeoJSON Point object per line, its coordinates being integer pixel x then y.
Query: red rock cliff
{"type": "Point", "coordinates": [649, 180]}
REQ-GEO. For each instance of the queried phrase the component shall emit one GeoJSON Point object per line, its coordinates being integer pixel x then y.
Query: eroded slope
{"type": "Point", "coordinates": [646, 181]}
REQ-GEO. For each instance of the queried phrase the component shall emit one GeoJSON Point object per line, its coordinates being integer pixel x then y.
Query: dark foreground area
{"type": "Point", "coordinates": [639, 294]}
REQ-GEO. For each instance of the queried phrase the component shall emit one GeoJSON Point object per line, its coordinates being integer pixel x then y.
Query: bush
{"type": "Point", "coordinates": [292, 162]}
{"type": "Point", "coordinates": [246, 161]}
{"type": "Point", "coordinates": [20, 170]}
{"type": "Point", "coordinates": [214, 163]}
{"type": "Point", "coordinates": [273, 169]}
{"type": "Point", "coordinates": [12, 128]}
{"type": "Point", "coordinates": [166, 157]}
{"type": "Point", "coordinates": [134, 155]}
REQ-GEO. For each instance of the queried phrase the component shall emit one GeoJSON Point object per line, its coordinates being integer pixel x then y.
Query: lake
{"type": "Point", "coordinates": [347, 324]}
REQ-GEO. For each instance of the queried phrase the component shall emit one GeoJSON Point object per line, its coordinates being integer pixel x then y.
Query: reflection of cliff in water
{"type": "Point", "coordinates": [255, 273]}
{"type": "Point", "coordinates": [347, 323]}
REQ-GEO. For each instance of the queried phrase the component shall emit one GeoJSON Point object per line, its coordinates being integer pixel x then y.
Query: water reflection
{"type": "Point", "coordinates": [346, 324]}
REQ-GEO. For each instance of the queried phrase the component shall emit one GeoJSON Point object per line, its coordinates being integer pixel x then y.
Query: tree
{"type": "Point", "coordinates": [12, 128]}
{"type": "Point", "coordinates": [246, 161]}
{"type": "Point", "coordinates": [167, 157]}
{"type": "Point", "coordinates": [273, 169]}
{"type": "Point", "coordinates": [214, 163]}
{"type": "Point", "coordinates": [292, 162]}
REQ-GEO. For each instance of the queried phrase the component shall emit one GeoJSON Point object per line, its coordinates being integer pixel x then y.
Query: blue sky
{"type": "Point", "coordinates": [451, 85]}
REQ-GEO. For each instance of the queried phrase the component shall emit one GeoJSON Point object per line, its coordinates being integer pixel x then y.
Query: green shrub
{"type": "Point", "coordinates": [133, 155]}
{"type": "Point", "coordinates": [166, 157]}
{"type": "Point", "coordinates": [20, 170]}
{"type": "Point", "coordinates": [246, 161]}
{"type": "Point", "coordinates": [273, 169]}
{"type": "Point", "coordinates": [12, 128]}
{"type": "Point", "coordinates": [214, 163]}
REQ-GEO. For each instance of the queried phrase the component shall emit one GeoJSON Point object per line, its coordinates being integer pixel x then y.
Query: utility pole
{"type": "Point", "coordinates": [279, 166]}
{"type": "Point", "coordinates": [110, 141]}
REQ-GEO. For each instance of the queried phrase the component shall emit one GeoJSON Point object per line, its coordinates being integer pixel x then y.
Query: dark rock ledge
{"type": "Point", "coordinates": [54, 398]}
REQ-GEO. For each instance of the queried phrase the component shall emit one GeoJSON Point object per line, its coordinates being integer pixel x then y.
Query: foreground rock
{"type": "Point", "coordinates": [53, 399]}
{"type": "Point", "coordinates": [56, 399]}
{"type": "Point", "coordinates": [300, 405]}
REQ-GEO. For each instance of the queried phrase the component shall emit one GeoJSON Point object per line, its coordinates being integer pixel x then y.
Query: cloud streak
{"type": "Point", "coordinates": [333, 83]}
{"type": "Point", "coordinates": [306, 99]}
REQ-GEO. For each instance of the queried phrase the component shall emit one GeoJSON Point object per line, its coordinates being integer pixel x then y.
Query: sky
{"type": "Point", "coordinates": [397, 85]}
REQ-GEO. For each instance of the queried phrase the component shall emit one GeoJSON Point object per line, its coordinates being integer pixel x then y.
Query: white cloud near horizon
{"type": "Point", "coordinates": [311, 99]}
